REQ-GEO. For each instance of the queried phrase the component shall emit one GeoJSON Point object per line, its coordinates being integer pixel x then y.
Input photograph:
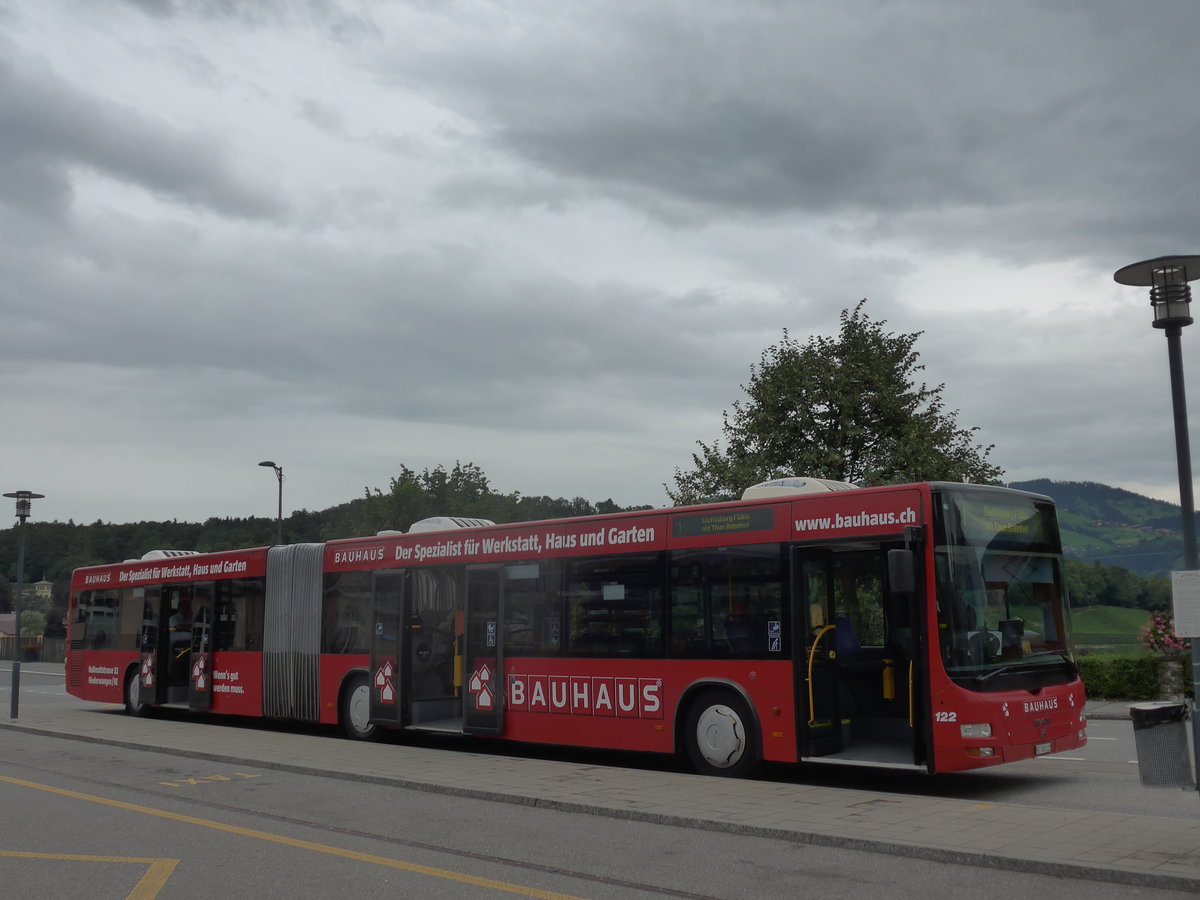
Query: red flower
{"type": "Point", "coordinates": [1159, 635]}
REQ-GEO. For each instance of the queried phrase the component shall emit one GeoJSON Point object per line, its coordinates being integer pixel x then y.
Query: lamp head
{"type": "Point", "coordinates": [24, 502]}
{"type": "Point", "coordinates": [1167, 277]}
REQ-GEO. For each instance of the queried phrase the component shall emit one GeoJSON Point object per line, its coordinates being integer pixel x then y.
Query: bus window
{"type": "Point", "coordinates": [129, 618]}
{"type": "Point", "coordinates": [1002, 611]}
{"type": "Point", "coordinates": [729, 603]}
{"type": "Point", "coordinates": [95, 624]}
{"type": "Point", "coordinates": [434, 601]}
{"type": "Point", "coordinates": [239, 614]}
{"type": "Point", "coordinates": [202, 618]}
{"type": "Point", "coordinates": [615, 606]}
{"type": "Point", "coordinates": [689, 621]}
{"type": "Point", "coordinates": [346, 612]}
{"type": "Point", "coordinates": [225, 626]}
{"type": "Point", "coordinates": [858, 599]}
{"type": "Point", "coordinates": [533, 609]}
{"type": "Point", "coordinates": [435, 596]}
{"type": "Point", "coordinates": [253, 609]}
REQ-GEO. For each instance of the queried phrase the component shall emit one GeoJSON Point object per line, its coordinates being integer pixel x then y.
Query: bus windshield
{"type": "Point", "coordinates": [1003, 620]}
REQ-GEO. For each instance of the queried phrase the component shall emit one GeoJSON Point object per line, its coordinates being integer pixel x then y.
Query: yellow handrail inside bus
{"type": "Point", "coordinates": [812, 653]}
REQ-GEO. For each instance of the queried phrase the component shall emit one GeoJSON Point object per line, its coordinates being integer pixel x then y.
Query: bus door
{"type": "Point", "coordinates": [152, 662]}
{"type": "Point", "coordinates": [483, 652]}
{"type": "Point", "coordinates": [819, 705]}
{"type": "Point", "coordinates": [175, 644]}
{"type": "Point", "coordinates": [388, 661]}
{"type": "Point", "coordinates": [434, 624]}
{"type": "Point", "coordinates": [199, 662]}
{"type": "Point", "coordinates": [859, 674]}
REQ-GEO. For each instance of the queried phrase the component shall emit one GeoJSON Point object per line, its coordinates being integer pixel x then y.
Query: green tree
{"type": "Point", "coordinates": [55, 549]}
{"type": "Point", "coordinates": [462, 491]}
{"type": "Point", "coordinates": [846, 408]}
{"type": "Point", "coordinates": [33, 623]}
{"type": "Point", "coordinates": [1085, 583]}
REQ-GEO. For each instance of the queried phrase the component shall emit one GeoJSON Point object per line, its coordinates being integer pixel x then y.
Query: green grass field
{"type": "Point", "coordinates": [1108, 628]}
{"type": "Point", "coordinates": [1098, 629]}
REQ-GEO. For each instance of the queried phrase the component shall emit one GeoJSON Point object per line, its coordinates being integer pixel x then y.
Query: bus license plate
{"type": "Point", "coordinates": [1041, 748]}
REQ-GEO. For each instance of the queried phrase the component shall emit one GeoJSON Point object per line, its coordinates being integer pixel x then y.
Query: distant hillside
{"type": "Point", "coordinates": [1114, 526]}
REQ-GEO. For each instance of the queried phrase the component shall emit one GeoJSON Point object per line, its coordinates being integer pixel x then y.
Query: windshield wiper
{"type": "Point", "coordinates": [1019, 664]}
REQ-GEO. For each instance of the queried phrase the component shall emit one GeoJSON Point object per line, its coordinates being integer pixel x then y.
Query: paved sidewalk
{"type": "Point", "coordinates": [1131, 849]}
{"type": "Point", "coordinates": [1108, 709]}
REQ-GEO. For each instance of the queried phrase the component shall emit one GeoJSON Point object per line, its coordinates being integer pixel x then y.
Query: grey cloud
{"type": "Point", "coordinates": [322, 115]}
{"type": "Point", "coordinates": [48, 128]}
{"type": "Point", "coordinates": [328, 18]}
{"type": "Point", "coordinates": [472, 261]}
{"type": "Point", "coordinates": [430, 337]}
{"type": "Point", "coordinates": [983, 115]}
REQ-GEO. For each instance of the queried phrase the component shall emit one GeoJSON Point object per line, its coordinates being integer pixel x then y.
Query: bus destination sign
{"type": "Point", "coordinates": [733, 521]}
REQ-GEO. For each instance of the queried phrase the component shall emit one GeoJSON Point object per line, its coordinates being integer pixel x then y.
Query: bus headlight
{"type": "Point", "coordinates": [981, 730]}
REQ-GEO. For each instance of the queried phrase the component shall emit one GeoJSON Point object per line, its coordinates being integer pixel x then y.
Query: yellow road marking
{"type": "Point", "coordinates": [445, 874]}
{"type": "Point", "coordinates": [147, 887]}
{"type": "Point", "coordinates": [206, 779]}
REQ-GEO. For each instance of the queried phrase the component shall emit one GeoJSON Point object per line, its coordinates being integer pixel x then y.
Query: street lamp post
{"type": "Point", "coordinates": [278, 474]}
{"type": "Point", "coordinates": [1171, 297]}
{"type": "Point", "coordinates": [24, 505]}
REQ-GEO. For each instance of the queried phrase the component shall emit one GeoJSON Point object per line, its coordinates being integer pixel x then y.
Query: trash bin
{"type": "Point", "coordinates": [1160, 734]}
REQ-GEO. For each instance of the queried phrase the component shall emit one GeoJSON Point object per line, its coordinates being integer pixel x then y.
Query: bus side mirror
{"type": "Point", "coordinates": [902, 572]}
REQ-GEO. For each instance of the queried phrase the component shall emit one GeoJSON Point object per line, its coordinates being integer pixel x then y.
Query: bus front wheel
{"type": "Point", "coordinates": [133, 700]}
{"type": "Point", "coordinates": [720, 735]}
{"type": "Point", "coordinates": [356, 711]}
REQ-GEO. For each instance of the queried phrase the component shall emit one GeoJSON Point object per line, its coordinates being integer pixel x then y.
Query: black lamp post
{"type": "Point", "coordinates": [278, 474]}
{"type": "Point", "coordinates": [1171, 297]}
{"type": "Point", "coordinates": [24, 505]}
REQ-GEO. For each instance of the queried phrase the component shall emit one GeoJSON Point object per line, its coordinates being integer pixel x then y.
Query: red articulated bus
{"type": "Point", "coordinates": [920, 626]}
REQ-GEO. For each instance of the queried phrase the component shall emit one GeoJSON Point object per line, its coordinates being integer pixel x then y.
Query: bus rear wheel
{"type": "Point", "coordinates": [720, 735]}
{"type": "Point", "coordinates": [356, 711]}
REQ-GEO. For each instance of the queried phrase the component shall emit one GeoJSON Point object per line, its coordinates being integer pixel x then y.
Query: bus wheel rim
{"type": "Point", "coordinates": [360, 709]}
{"type": "Point", "coordinates": [720, 736]}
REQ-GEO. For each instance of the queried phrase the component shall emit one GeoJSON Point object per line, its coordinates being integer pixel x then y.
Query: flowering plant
{"type": "Point", "coordinates": [1159, 634]}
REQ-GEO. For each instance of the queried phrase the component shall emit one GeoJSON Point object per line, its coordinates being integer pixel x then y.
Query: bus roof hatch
{"type": "Point", "coordinates": [791, 484]}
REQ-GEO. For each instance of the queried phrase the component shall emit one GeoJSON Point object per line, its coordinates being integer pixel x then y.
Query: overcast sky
{"type": "Point", "coordinates": [551, 238]}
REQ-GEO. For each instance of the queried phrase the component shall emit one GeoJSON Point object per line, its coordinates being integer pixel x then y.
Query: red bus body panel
{"type": "Point", "coordinates": [334, 667]}
{"type": "Point", "coordinates": [1021, 722]}
{"type": "Point", "coordinates": [237, 683]}
{"type": "Point", "coordinates": [101, 675]}
{"type": "Point", "coordinates": [203, 567]}
{"type": "Point", "coordinates": [630, 704]}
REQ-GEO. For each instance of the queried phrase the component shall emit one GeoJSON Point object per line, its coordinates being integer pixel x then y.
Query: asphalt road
{"type": "Point", "coordinates": [97, 821]}
{"type": "Point", "coordinates": [100, 820]}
